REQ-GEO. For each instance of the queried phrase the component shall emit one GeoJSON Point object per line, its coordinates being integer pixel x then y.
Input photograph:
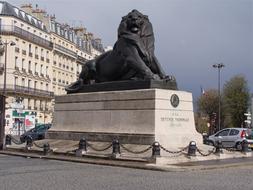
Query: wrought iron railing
{"type": "Point", "coordinates": [19, 32]}
{"type": "Point", "coordinates": [65, 50]}
{"type": "Point", "coordinates": [27, 90]}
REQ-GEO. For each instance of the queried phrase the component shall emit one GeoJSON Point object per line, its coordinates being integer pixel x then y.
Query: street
{"type": "Point", "coordinates": [30, 174]}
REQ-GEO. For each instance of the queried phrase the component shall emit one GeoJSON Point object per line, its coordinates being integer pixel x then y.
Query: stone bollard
{"type": "Point", "coordinates": [115, 148]}
{"type": "Point", "coordinates": [156, 150]}
{"type": "Point", "coordinates": [7, 140]}
{"type": "Point", "coordinates": [29, 142]}
{"type": "Point", "coordinates": [192, 149]}
{"type": "Point", "coordinates": [245, 146]}
{"type": "Point", "coordinates": [82, 147]}
{"type": "Point", "coordinates": [46, 148]}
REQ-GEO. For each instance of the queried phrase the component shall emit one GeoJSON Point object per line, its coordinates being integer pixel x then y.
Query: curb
{"type": "Point", "coordinates": [135, 164]}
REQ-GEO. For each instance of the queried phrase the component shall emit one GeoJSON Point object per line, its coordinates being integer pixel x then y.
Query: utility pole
{"type": "Point", "coordinates": [4, 95]}
{"type": "Point", "coordinates": [219, 66]}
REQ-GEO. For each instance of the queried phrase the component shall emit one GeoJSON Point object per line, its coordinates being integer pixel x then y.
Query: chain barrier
{"type": "Point", "coordinates": [15, 141]}
{"type": "Point", "coordinates": [173, 152]}
{"type": "Point", "coordinates": [37, 145]}
{"type": "Point", "coordinates": [231, 149]}
{"type": "Point", "coordinates": [136, 152]}
{"type": "Point", "coordinates": [97, 149]}
{"type": "Point", "coordinates": [206, 154]}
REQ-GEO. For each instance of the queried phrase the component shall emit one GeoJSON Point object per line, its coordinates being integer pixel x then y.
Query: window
{"type": "Point", "coordinates": [46, 87]}
{"type": "Point", "coordinates": [35, 84]}
{"type": "Point", "coordinates": [23, 81]}
{"type": "Point", "coordinates": [41, 69]}
{"type": "Point", "coordinates": [29, 103]}
{"type": "Point", "coordinates": [30, 48]}
{"type": "Point", "coordinates": [46, 70]}
{"type": "Point", "coordinates": [23, 63]}
{"type": "Point", "coordinates": [223, 133]}
{"type": "Point", "coordinates": [29, 83]}
{"type": "Point", "coordinates": [35, 68]}
{"type": "Point", "coordinates": [36, 50]}
{"type": "Point", "coordinates": [29, 66]}
{"type": "Point", "coordinates": [16, 81]}
{"type": "Point", "coordinates": [41, 86]}
{"type": "Point", "coordinates": [42, 53]}
{"type": "Point", "coordinates": [34, 104]}
{"type": "Point", "coordinates": [16, 62]}
{"type": "Point", "coordinates": [233, 132]}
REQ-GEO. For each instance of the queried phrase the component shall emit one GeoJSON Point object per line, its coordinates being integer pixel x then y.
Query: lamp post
{"type": "Point", "coordinates": [219, 66]}
{"type": "Point", "coordinates": [3, 99]}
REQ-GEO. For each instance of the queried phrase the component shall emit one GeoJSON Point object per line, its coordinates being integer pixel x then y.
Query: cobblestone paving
{"type": "Point", "coordinates": [35, 174]}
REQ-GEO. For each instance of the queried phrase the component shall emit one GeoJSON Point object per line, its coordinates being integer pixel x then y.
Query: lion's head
{"type": "Point", "coordinates": [135, 22]}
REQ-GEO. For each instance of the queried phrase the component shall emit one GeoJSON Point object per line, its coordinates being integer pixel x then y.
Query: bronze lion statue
{"type": "Point", "coordinates": [132, 57]}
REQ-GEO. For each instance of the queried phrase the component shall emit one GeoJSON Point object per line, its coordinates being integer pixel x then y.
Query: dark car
{"type": "Point", "coordinates": [36, 133]}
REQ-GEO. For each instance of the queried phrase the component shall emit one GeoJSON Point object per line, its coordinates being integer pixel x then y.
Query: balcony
{"type": "Point", "coordinates": [16, 31]}
{"type": "Point", "coordinates": [29, 107]}
{"type": "Point", "coordinates": [23, 70]}
{"type": "Point", "coordinates": [65, 50]}
{"type": "Point", "coordinates": [42, 75]}
{"type": "Point", "coordinates": [30, 71]}
{"type": "Point", "coordinates": [42, 58]}
{"type": "Point", "coordinates": [81, 59]}
{"type": "Point", "coordinates": [47, 60]}
{"type": "Point", "coordinates": [36, 56]}
{"type": "Point", "coordinates": [16, 89]}
{"type": "Point", "coordinates": [36, 73]}
{"type": "Point", "coordinates": [30, 54]}
{"type": "Point", "coordinates": [16, 68]}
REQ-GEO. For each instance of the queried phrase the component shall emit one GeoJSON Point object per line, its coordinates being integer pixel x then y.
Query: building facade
{"type": "Point", "coordinates": [47, 56]}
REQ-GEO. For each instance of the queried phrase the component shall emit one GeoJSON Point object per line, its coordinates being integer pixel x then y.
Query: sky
{"type": "Point", "coordinates": [190, 35]}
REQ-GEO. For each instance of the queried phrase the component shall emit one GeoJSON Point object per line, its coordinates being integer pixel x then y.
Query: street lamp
{"type": "Point", "coordinates": [219, 66]}
{"type": "Point", "coordinates": [2, 127]}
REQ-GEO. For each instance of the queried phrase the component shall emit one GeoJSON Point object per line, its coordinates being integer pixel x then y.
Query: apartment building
{"type": "Point", "coordinates": [47, 56]}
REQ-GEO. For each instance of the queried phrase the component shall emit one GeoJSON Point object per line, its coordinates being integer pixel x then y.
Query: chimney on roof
{"type": "Point", "coordinates": [27, 8]}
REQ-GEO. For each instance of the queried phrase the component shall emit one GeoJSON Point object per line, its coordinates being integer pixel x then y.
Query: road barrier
{"type": "Point", "coordinates": [83, 147]}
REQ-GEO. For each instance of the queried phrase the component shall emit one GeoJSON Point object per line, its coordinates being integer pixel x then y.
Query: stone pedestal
{"type": "Point", "coordinates": [132, 116]}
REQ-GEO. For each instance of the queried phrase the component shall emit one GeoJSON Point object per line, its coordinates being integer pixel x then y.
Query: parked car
{"type": "Point", "coordinates": [36, 133]}
{"type": "Point", "coordinates": [232, 137]}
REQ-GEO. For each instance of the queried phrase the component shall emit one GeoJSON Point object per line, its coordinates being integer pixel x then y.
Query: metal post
{"type": "Point", "coordinates": [115, 148]}
{"type": "Point", "coordinates": [245, 146]}
{"type": "Point", "coordinates": [82, 147]}
{"type": "Point", "coordinates": [2, 122]}
{"type": "Point", "coordinates": [192, 148]}
{"type": "Point", "coordinates": [218, 146]}
{"type": "Point", "coordinates": [46, 148]}
{"type": "Point", "coordinates": [2, 130]}
{"type": "Point", "coordinates": [219, 66]}
{"type": "Point", "coordinates": [8, 140]}
{"type": "Point", "coordinates": [156, 150]}
{"type": "Point", "coordinates": [29, 142]}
